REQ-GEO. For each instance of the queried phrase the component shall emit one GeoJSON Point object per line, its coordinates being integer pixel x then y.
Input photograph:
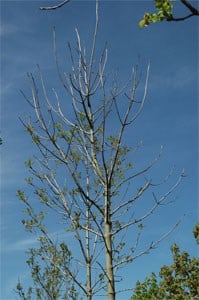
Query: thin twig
{"type": "Point", "coordinates": [55, 6]}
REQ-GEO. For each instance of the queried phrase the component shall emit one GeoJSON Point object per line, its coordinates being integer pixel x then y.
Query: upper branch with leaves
{"type": "Point", "coordinates": [164, 11]}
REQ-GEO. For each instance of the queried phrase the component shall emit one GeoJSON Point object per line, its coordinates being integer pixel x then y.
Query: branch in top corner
{"type": "Point", "coordinates": [55, 6]}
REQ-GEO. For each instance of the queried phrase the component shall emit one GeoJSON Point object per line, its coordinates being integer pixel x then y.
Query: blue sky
{"type": "Point", "coordinates": [170, 117]}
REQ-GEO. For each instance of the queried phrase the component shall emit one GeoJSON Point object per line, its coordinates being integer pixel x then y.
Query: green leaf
{"type": "Point", "coordinates": [21, 195]}
{"type": "Point", "coordinates": [36, 139]}
{"type": "Point", "coordinates": [30, 129]}
{"type": "Point", "coordinates": [28, 163]}
{"type": "Point", "coordinates": [142, 23]}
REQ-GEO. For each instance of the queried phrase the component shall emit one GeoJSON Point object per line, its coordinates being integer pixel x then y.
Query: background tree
{"type": "Point", "coordinates": [164, 11]}
{"type": "Point", "coordinates": [178, 281]}
{"type": "Point", "coordinates": [83, 172]}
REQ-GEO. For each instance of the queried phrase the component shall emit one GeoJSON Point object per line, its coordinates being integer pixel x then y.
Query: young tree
{"type": "Point", "coordinates": [178, 281]}
{"type": "Point", "coordinates": [82, 172]}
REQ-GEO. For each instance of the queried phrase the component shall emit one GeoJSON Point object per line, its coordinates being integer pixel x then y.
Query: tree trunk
{"type": "Point", "coordinates": [109, 263]}
{"type": "Point", "coordinates": [88, 256]}
{"type": "Point", "coordinates": [108, 249]}
{"type": "Point", "coordinates": [89, 287]}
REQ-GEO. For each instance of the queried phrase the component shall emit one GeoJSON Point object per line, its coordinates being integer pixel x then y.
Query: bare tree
{"type": "Point", "coordinates": [83, 170]}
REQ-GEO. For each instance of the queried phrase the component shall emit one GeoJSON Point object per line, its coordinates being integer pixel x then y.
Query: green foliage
{"type": "Point", "coordinates": [163, 12]}
{"type": "Point", "coordinates": [36, 139]}
{"type": "Point", "coordinates": [21, 195]}
{"type": "Point", "coordinates": [75, 156]}
{"type": "Point", "coordinates": [196, 232]}
{"type": "Point", "coordinates": [49, 268]}
{"type": "Point", "coordinates": [42, 195]}
{"type": "Point", "coordinates": [28, 163]}
{"type": "Point", "coordinates": [149, 289]}
{"type": "Point", "coordinates": [35, 220]}
{"type": "Point", "coordinates": [121, 165]}
{"type": "Point", "coordinates": [29, 128]}
{"type": "Point", "coordinates": [29, 180]}
{"type": "Point", "coordinates": [176, 282]}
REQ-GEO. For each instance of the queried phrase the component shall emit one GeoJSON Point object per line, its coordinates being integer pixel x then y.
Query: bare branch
{"type": "Point", "coordinates": [194, 12]}
{"type": "Point", "coordinates": [190, 7]}
{"type": "Point", "coordinates": [55, 6]}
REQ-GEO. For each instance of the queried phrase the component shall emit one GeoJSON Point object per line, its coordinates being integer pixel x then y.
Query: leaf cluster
{"type": "Point", "coordinates": [163, 11]}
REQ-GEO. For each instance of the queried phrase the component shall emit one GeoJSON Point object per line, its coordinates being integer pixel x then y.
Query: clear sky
{"type": "Point", "coordinates": [170, 117]}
